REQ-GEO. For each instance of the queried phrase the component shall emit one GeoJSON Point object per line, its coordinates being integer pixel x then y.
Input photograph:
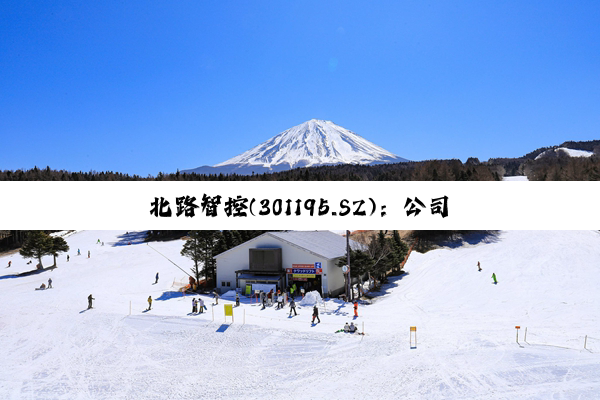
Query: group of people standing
{"type": "Point", "coordinates": [198, 306]}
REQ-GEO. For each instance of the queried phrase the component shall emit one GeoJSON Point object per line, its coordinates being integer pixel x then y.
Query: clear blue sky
{"type": "Point", "coordinates": [148, 86]}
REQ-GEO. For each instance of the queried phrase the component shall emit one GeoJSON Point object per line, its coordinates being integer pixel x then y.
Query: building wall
{"type": "Point", "coordinates": [237, 259]}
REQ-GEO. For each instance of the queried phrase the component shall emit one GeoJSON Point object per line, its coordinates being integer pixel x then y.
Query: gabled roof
{"type": "Point", "coordinates": [326, 244]}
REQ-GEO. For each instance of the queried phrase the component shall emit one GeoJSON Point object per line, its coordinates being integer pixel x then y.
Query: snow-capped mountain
{"type": "Point", "coordinates": [312, 143]}
{"type": "Point", "coordinates": [567, 151]}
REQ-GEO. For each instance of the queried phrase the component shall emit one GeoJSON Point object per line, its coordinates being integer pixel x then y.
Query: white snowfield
{"type": "Point", "coordinates": [51, 347]}
{"type": "Point", "coordinates": [569, 152]}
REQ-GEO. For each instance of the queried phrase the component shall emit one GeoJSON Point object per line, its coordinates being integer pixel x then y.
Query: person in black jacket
{"type": "Point", "coordinates": [90, 298]}
{"type": "Point", "coordinates": [293, 307]}
{"type": "Point", "coordinates": [316, 314]}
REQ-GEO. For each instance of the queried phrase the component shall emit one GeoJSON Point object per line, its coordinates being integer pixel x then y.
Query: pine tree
{"type": "Point", "coordinates": [36, 245]}
{"type": "Point", "coordinates": [59, 245]}
{"type": "Point", "coordinates": [201, 247]}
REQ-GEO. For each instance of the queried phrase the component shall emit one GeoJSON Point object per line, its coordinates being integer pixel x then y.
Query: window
{"type": "Point", "coordinates": [228, 284]}
{"type": "Point", "coordinates": [222, 283]}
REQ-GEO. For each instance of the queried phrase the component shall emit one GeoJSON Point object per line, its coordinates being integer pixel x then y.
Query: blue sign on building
{"type": "Point", "coordinates": [317, 265]}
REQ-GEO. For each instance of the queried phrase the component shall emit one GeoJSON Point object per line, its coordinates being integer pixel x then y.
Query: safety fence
{"type": "Point", "coordinates": [547, 337]}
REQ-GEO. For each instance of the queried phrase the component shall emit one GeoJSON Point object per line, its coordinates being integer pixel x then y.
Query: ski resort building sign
{"type": "Point", "coordinates": [304, 271]}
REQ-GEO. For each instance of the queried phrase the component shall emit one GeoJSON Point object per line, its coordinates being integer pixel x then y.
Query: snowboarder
{"type": "Point", "coordinates": [352, 327]}
{"type": "Point", "coordinates": [216, 298]}
{"type": "Point", "coordinates": [49, 283]}
{"type": "Point", "coordinates": [202, 306]}
{"type": "Point", "coordinates": [355, 308]}
{"type": "Point", "coordinates": [346, 328]}
{"type": "Point", "coordinates": [194, 306]}
{"type": "Point", "coordinates": [293, 307]}
{"type": "Point", "coordinates": [156, 281]}
{"type": "Point", "coordinates": [478, 266]}
{"type": "Point", "coordinates": [78, 252]}
{"type": "Point", "coordinates": [316, 314]}
{"type": "Point", "coordinates": [68, 258]}
{"type": "Point", "coordinates": [43, 286]}
{"type": "Point", "coordinates": [90, 298]}
{"type": "Point", "coordinates": [237, 299]}
{"type": "Point", "coordinates": [9, 263]}
{"type": "Point", "coordinates": [89, 254]}
{"type": "Point", "coordinates": [494, 278]}
{"type": "Point", "coordinates": [149, 303]}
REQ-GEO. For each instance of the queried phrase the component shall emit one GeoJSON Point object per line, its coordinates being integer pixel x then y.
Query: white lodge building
{"type": "Point", "coordinates": [280, 259]}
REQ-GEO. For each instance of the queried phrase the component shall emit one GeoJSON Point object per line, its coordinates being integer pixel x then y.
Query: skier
{"type": "Point", "coordinates": [279, 301]}
{"type": "Point", "coordinates": [49, 283]}
{"type": "Point", "coordinates": [293, 307]}
{"type": "Point", "coordinates": [263, 300]}
{"type": "Point", "coordinates": [237, 299]}
{"type": "Point", "coordinates": [478, 266]}
{"type": "Point", "coordinates": [355, 308]}
{"type": "Point", "coordinates": [68, 258]}
{"type": "Point", "coordinates": [216, 298]}
{"type": "Point", "coordinates": [194, 306]}
{"type": "Point", "coordinates": [155, 282]}
{"type": "Point", "coordinates": [316, 314]}
{"type": "Point", "coordinates": [149, 303]}
{"type": "Point", "coordinates": [78, 252]}
{"type": "Point", "coordinates": [90, 298]}
{"type": "Point", "coordinates": [9, 263]}
{"type": "Point", "coordinates": [494, 278]}
{"type": "Point", "coordinates": [89, 254]}
{"type": "Point", "coordinates": [202, 306]}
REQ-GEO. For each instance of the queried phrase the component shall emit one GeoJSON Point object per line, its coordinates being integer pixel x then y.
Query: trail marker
{"type": "Point", "coordinates": [517, 328]}
{"type": "Point", "coordinates": [228, 311]}
{"type": "Point", "coordinates": [413, 329]}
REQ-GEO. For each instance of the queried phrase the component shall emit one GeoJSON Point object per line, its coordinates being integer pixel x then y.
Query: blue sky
{"type": "Point", "coordinates": [142, 87]}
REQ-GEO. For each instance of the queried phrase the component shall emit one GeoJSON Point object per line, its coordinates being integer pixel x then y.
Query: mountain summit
{"type": "Point", "coordinates": [312, 143]}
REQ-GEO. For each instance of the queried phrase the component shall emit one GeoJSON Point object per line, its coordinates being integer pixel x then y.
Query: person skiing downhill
{"type": "Point", "coordinates": [293, 307]}
{"type": "Point", "coordinates": [90, 298]}
{"type": "Point", "coordinates": [316, 314]}
{"type": "Point", "coordinates": [78, 252]}
{"type": "Point", "coordinates": [494, 278]}
{"type": "Point", "coordinates": [49, 283]}
{"type": "Point", "coordinates": [68, 258]}
{"type": "Point", "coordinates": [155, 282]}
{"type": "Point", "coordinates": [478, 266]}
{"type": "Point", "coordinates": [9, 262]}
{"type": "Point", "coordinates": [149, 303]}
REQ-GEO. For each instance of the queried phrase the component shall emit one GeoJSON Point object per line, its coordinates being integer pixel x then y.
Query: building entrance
{"type": "Point", "coordinates": [306, 276]}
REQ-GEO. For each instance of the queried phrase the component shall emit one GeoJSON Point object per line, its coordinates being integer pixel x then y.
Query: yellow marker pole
{"type": "Point", "coordinates": [228, 311]}
{"type": "Point", "coordinates": [413, 329]}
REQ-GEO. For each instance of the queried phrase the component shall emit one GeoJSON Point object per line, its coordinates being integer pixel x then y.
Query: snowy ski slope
{"type": "Point", "coordinates": [51, 347]}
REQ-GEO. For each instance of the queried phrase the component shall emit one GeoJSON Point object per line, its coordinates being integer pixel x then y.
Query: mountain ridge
{"type": "Point", "coordinates": [313, 143]}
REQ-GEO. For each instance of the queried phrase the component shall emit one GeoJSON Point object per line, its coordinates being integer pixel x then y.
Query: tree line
{"type": "Point", "coordinates": [433, 170]}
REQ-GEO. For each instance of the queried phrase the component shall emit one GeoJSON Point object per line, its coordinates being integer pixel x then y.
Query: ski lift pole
{"type": "Point", "coordinates": [171, 261]}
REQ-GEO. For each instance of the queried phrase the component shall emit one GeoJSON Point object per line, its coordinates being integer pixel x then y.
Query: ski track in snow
{"type": "Point", "coordinates": [51, 347]}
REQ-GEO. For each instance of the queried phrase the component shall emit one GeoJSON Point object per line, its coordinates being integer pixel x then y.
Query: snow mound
{"type": "Point", "coordinates": [311, 298]}
{"type": "Point", "coordinates": [228, 295]}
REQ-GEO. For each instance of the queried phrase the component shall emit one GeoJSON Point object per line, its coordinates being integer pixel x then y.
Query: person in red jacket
{"type": "Point", "coordinates": [355, 308]}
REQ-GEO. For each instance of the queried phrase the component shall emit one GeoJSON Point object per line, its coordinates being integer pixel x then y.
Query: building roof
{"type": "Point", "coordinates": [322, 243]}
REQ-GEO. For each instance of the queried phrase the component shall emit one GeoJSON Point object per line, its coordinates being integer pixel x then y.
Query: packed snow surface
{"type": "Point", "coordinates": [51, 346]}
{"type": "Point", "coordinates": [515, 179]}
